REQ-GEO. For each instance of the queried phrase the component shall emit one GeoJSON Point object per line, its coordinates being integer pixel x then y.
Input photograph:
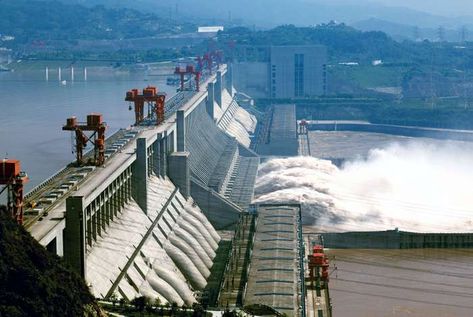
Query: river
{"type": "Point", "coordinates": [414, 175]}
{"type": "Point", "coordinates": [33, 110]}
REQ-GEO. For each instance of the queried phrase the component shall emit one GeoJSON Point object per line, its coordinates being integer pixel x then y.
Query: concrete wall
{"type": "Point", "coordinates": [283, 71]}
{"type": "Point", "coordinates": [282, 138]}
{"type": "Point", "coordinates": [276, 75]}
{"type": "Point", "coordinates": [396, 240]}
{"type": "Point", "coordinates": [221, 212]}
{"type": "Point", "coordinates": [394, 130]}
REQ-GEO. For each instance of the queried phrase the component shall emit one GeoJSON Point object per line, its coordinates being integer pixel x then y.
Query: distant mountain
{"type": "Point", "coordinates": [269, 13]}
{"type": "Point", "coordinates": [412, 32]}
{"type": "Point", "coordinates": [36, 22]}
{"type": "Point", "coordinates": [41, 21]}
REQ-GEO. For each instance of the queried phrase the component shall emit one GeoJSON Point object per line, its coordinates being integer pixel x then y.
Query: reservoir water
{"type": "Point", "coordinates": [33, 110]}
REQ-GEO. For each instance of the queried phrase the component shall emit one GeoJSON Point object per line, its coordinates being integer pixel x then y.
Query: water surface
{"type": "Point", "coordinates": [33, 110]}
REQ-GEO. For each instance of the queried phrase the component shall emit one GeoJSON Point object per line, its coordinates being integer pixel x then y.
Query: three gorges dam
{"type": "Point", "coordinates": [135, 225]}
{"type": "Point", "coordinates": [170, 212]}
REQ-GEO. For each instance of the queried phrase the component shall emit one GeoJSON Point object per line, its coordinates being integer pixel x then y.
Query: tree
{"type": "Point", "coordinates": [113, 299]}
{"type": "Point", "coordinates": [139, 303]}
{"type": "Point", "coordinates": [198, 310]}
{"type": "Point", "coordinates": [122, 302]}
{"type": "Point", "coordinates": [174, 308]}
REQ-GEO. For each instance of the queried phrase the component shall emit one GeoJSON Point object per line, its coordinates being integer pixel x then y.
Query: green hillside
{"type": "Point", "coordinates": [34, 282]}
{"type": "Point", "coordinates": [48, 20]}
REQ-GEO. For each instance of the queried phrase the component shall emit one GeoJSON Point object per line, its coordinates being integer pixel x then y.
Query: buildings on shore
{"type": "Point", "coordinates": [281, 71]}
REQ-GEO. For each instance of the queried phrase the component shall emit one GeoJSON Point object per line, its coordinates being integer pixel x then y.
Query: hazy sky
{"type": "Point", "coordinates": [440, 7]}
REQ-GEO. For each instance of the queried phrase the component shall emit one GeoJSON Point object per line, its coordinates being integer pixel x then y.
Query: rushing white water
{"type": "Point", "coordinates": [416, 186]}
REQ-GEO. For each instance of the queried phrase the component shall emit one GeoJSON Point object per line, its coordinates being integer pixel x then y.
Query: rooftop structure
{"type": "Point", "coordinates": [210, 29]}
{"type": "Point", "coordinates": [276, 270]}
{"type": "Point", "coordinates": [297, 71]}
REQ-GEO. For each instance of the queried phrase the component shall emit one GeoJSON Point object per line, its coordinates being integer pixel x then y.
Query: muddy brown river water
{"type": "Point", "coordinates": [374, 283]}
{"type": "Point", "coordinates": [422, 282]}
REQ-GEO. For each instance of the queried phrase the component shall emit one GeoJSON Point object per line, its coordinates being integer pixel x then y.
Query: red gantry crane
{"type": "Point", "coordinates": [13, 179]}
{"type": "Point", "coordinates": [318, 269]}
{"type": "Point", "coordinates": [217, 57]}
{"type": "Point", "coordinates": [95, 125]}
{"type": "Point", "coordinates": [153, 98]}
{"type": "Point", "coordinates": [208, 60]}
{"type": "Point", "coordinates": [318, 297]}
{"type": "Point", "coordinates": [189, 70]}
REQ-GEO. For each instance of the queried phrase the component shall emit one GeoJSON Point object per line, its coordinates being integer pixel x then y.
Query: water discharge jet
{"type": "Point", "coordinates": [417, 186]}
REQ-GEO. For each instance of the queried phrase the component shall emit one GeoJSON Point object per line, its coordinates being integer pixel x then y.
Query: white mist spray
{"type": "Point", "coordinates": [415, 187]}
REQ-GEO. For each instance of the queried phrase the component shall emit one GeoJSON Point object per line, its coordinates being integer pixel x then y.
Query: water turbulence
{"type": "Point", "coordinates": [417, 186]}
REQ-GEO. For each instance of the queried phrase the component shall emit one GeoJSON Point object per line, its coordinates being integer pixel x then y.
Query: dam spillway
{"type": "Point", "coordinates": [390, 177]}
{"type": "Point", "coordinates": [145, 222]}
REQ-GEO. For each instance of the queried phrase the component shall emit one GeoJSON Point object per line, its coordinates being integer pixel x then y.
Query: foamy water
{"type": "Point", "coordinates": [415, 186]}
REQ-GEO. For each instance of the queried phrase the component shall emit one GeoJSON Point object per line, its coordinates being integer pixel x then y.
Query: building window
{"type": "Point", "coordinates": [298, 75]}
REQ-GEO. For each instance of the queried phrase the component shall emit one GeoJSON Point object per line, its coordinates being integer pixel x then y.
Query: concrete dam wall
{"type": "Point", "coordinates": [460, 135]}
{"type": "Point", "coordinates": [393, 239]}
{"type": "Point", "coordinates": [144, 222]}
{"type": "Point", "coordinates": [172, 263]}
{"type": "Point", "coordinates": [278, 135]}
{"type": "Point", "coordinates": [223, 170]}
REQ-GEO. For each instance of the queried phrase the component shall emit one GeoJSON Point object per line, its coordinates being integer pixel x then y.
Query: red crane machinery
{"type": "Point", "coordinates": [200, 63]}
{"type": "Point", "coordinates": [318, 269]}
{"type": "Point", "coordinates": [207, 59]}
{"type": "Point", "coordinates": [95, 125]}
{"type": "Point", "coordinates": [210, 58]}
{"type": "Point", "coordinates": [217, 57]}
{"type": "Point", "coordinates": [189, 70]}
{"type": "Point", "coordinates": [14, 179]}
{"type": "Point", "coordinates": [197, 74]}
{"type": "Point", "coordinates": [303, 127]}
{"type": "Point", "coordinates": [153, 98]}
{"type": "Point", "coordinates": [182, 72]}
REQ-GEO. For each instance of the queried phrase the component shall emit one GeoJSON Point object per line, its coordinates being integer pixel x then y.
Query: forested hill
{"type": "Point", "coordinates": [29, 20]}
{"type": "Point", "coordinates": [345, 44]}
{"type": "Point", "coordinates": [34, 282]}
{"type": "Point", "coordinates": [339, 38]}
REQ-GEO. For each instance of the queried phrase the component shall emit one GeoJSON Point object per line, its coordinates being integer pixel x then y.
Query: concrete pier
{"type": "Point", "coordinates": [74, 234]}
{"type": "Point", "coordinates": [211, 100]}
{"type": "Point", "coordinates": [179, 171]}
{"type": "Point", "coordinates": [181, 131]}
{"type": "Point", "coordinates": [218, 89]}
{"type": "Point", "coordinates": [140, 174]}
{"type": "Point", "coordinates": [229, 79]}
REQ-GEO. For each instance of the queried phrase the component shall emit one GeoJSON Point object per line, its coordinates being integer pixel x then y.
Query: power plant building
{"type": "Point", "coordinates": [281, 71]}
